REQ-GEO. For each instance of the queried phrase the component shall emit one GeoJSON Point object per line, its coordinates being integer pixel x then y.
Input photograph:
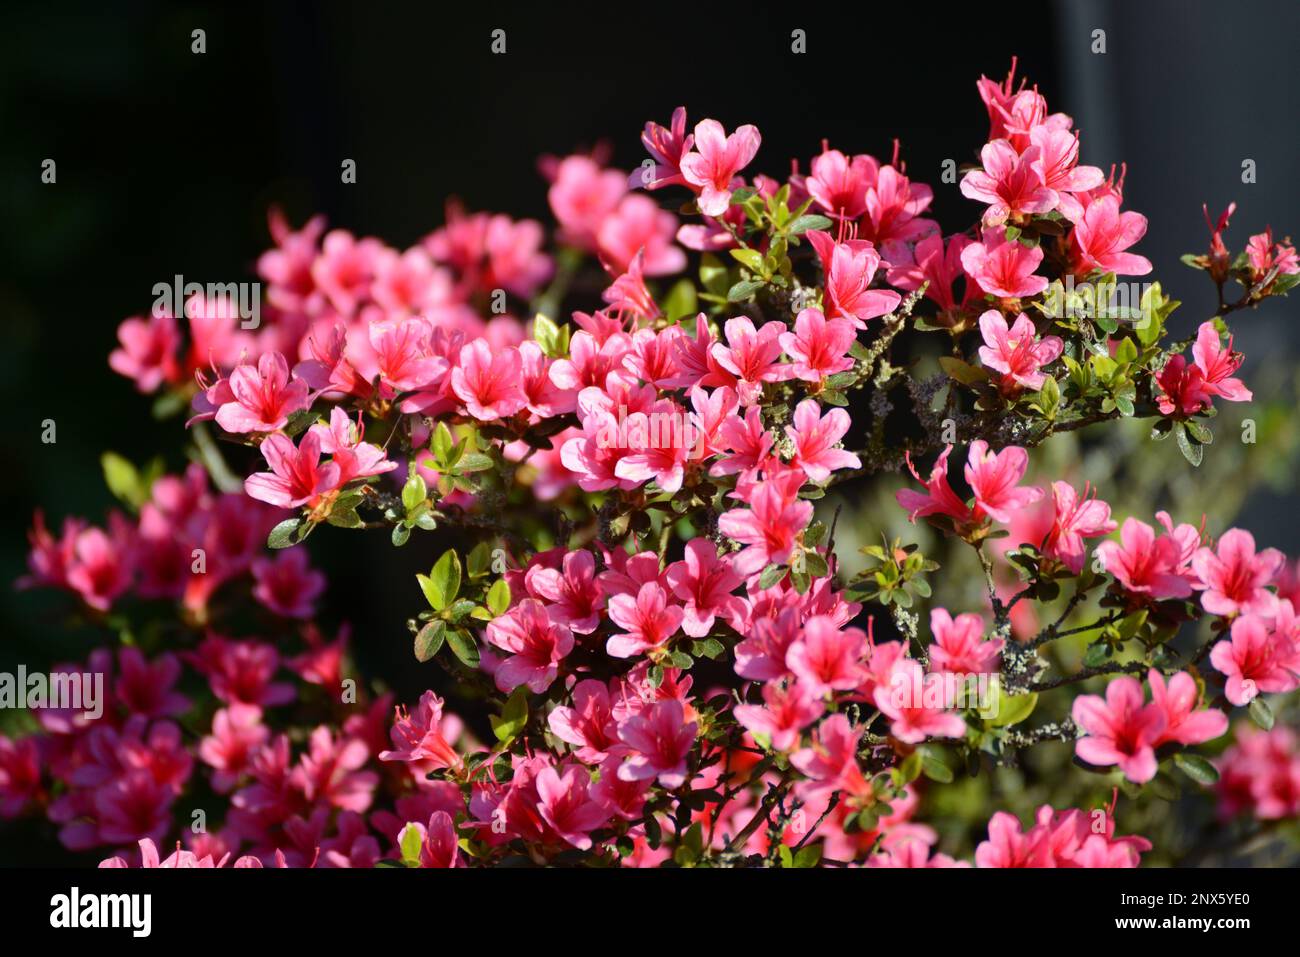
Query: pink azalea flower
{"type": "Point", "coordinates": [818, 345]}
{"type": "Point", "coordinates": [1003, 269]}
{"type": "Point", "coordinates": [489, 382]}
{"type": "Point", "coordinates": [149, 352]}
{"type": "Point", "coordinates": [648, 621]}
{"type": "Point", "coordinates": [590, 360]}
{"type": "Point", "coordinates": [994, 478]}
{"type": "Point", "coordinates": [1010, 183]}
{"type": "Point", "coordinates": [1145, 564]}
{"type": "Point", "coordinates": [1233, 577]}
{"type": "Point", "coordinates": [297, 476]}
{"type": "Point", "coordinates": [715, 161]}
{"type": "Point", "coordinates": [345, 268]}
{"type": "Point", "coordinates": [589, 724]}
{"type": "Point", "coordinates": [287, 585]}
{"type": "Point", "coordinates": [342, 439]}
{"type": "Point", "coordinates": [536, 645]}
{"type": "Point", "coordinates": [849, 268]}
{"type": "Point", "coordinates": [237, 733]}
{"type": "Point", "coordinates": [894, 207]}
{"type": "Point", "coordinates": [667, 145]}
{"type": "Point", "coordinates": [102, 565]}
{"type": "Point", "coordinates": [1182, 388]}
{"type": "Point", "coordinates": [1254, 660]}
{"type": "Point", "coordinates": [661, 740]}
{"type": "Point", "coordinates": [839, 184]}
{"type": "Point", "coordinates": [565, 805]}
{"type": "Point", "coordinates": [705, 582]}
{"type": "Point", "coordinates": [574, 600]}
{"type": "Point", "coordinates": [1017, 352]}
{"type": "Point", "coordinates": [938, 497]}
{"type": "Point", "coordinates": [658, 446]}
{"type": "Point", "coordinates": [331, 771]}
{"type": "Point", "coordinates": [1217, 364]}
{"type": "Point", "coordinates": [1009, 846]}
{"type": "Point", "coordinates": [404, 355]}
{"type": "Point", "coordinates": [903, 702]}
{"type": "Point", "coordinates": [826, 659]}
{"type": "Point", "coordinates": [786, 710]}
{"type": "Point", "coordinates": [639, 225]}
{"type": "Point", "coordinates": [263, 396]}
{"type": "Point", "coordinates": [769, 527]}
{"type": "Point", "coordinates": [1264, 256]}
{"type": "Point", "coordinates": [628, 294]}
{"type": "Point", "coordinates": [1102, 234]}
{"type": "Point", "coordinates": [1075, 518]}
{"type": "Point", "coordinates": [752, 356]}
{"type": "Point", "coordinates": [830, 761]}
{"type": "Point", "coordinates": [1057, 166]}
{"type": "Point", "coordinates": [1177, 701]}
{"type": "Point", "coordinates": [439, 842]}
{"type": "Point", "coordinates": [746, 442]}
{"type": "Point", "coordinates": [930, 262]}
{"type": "Point", "coordinates": [959, 646]}
{"type": "Point", "coordinates": [242, 671]}
{"type": "Point", "coordinates": [582, 195]}
{"type": "Point", "coordinates": [1121, 730]}
{"type": "Point", "coordinates": [421, 739]}
{"type": "Point", "coordinates": [815, 439]}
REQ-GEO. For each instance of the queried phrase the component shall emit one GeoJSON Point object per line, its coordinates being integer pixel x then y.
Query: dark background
{"type": "Point", "coordinates": [167, 162]}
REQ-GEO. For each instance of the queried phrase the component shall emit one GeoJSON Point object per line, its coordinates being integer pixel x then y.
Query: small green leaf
{"type": "Point", "coordinates": [1012, 709]}
{"type": "Point", "coordinates": [414, 492]}
{"type": "Point", "coordinates": [1196, 767]}
{"type": "Point", "coordinates": [284, 534]}
{"type": "Point", "coordinates": [498, 597]}
{"type": "Point", "coordinates": [743, 290]}
{"type": "Point", "coordinates": [514, 716]}
{"type": "Point", "coordinates": [463, 646]}
{"type": "Point", "coordinates": [709, 648]}
{"type": "Point", "coordinates": [475, 462]}
{"type": "Point", "coordinates": [443, 583]}
{"type": "Point", "coordinates": [802, 224]}
{"type": "Point", "coordinates": [1192, 451]}
{"type": "Point", "coordinates": [770, 576]}
{"type": "Point", "coordinates": [430, 639]}
{"type": "Point", "coordinates": [123, 480]}
{"type": "Point", "coordinates": [934, 768]}
{"type": "Point", "coordinates": [410, 841]}
{"type": "Point", "coordinates": [1261, 713]}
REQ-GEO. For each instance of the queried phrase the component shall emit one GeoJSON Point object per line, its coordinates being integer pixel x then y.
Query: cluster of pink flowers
{"type": "Point", "coordinates": [687, 449]}
{"type": "Point", "coordinates": [1261, 775]}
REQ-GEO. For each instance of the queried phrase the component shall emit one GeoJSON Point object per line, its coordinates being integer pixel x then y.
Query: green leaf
{"type": "Point", "coordinates": [1196, 767]}
{"type": "Point", "coordinates": [1192, 451]}
{"type": "Point", "coordinates": [816, 564]}
{"type": "Point", "coordinates": [475, 462]}
{"type": "Point", "coordinates": [464, 646]}
{"type": "Point", "coordinates": [414, 492]}
{"type": "Point", "coordinates": [400, 535]}
{"type": "Point", "coordinates": [498, 597]}
{"type": "Point", "coordinates": [514, 716]}
{"type": "Point", "coordinates": [429, 639]}
{"type": "Point", "coordinates": [809, 855]}
{"type": "Point", "coordinates": [479, 560]}
{"type": "Point", "coordinates": [1012, 709]}
{"type": "Point", "coordinates": [713, 274]}
{"type": "Point", "coordinates": [770, 576]}
{"type": "Point", "coordinates": [934, 768]}
{"type": "Point", "coordinates": [743, 290]}
{"type": "Point", "coordinates": [802, 224]}
{"type": "Point", "coordinates": [410, 842]}
{"type": "Point", "coordinates": [962, 371]}
{"type": "Point", "coordinates": [681, 301]}
{"type": "Point", "coordinates": [709, 648]}
{"type": "Point", "coordinates": [345, 516]}
{"type": "Point", "coordinates": [441, 445]}
{"type": "Point", "coordinates": [123, 480]}
{"type": "Point", "coordinates": [1261, 713]}
{"type": "Point", "coordinates": [443, 583]}
{"type": "Point", "coordinates": [750, 258]}
{"type": "Point", "coordinates": [285, 534]}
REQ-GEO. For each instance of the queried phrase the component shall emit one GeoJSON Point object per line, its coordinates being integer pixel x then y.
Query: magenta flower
{"type": "Point", "coordinates": [564, 804]}
{"type": "Point", "coordinates": [1057, 165]}
{"type": "Point", "coordinates": [489, 382]}
{"type": "Point", "coordinates": [263, 396]}
{"type": "Point", "coordinates": [930, 262]}
{"type": "Point", "coordinates": [297, 476]}
{"type": "Point", "coordinates": [1182, 388]}
{"type": "Point", "coordinates": [830, 761]}
{"type": "Point", "coordinates": [666, 145]}
{"type": "Point", "coordinates": [1010, 183]}
{"type": "Point", "coordinates": [715, 161]}
{"type": "Point", "coordinates": [648, 621]}
{"type": "Point", "coordinates": [1101, 236]}
{"type": "Point", "coordinates": [589, 724]}
{"type": "Point", "coordinates": [770, 527]}
{"type": "Point", "coordinates": [1177, 701]}
{"type": "Point", "coordinates": [102, 566]}
{"type": "Point", "coordinates": [816, 439]}
{"type": "Point", "coordinates": [639, 225]}
{"type": "Point", "coordinates": [752, 356]}
{"type": "Point", "coordinates": [1017, 352]}
{"type": "Point", "coordinates": [535, 643]}
{"type": "Point", "coordinates": [422, 739]}
{"type": "Point", "coordinates": [581, 196]}
{"type": "Point", "coordinates": [661, 739]}
{"type": "Point", "coordinates": [1145, 564]}
{"type": "Point", "coordinates": [785, 712]}
{"type": "Point", "coordinates": [818, 346]}
{"type": "Point", "coordinates": [825, 658]}
{"type": "Point", "coordinates": [149, 352]}
{"type": "Point", "coordinates": [959, 646]}
{"type": "Point", "coordinates": [1121, 730]}
{"type": "Point", "coordinates": [404, 355]}
{"type": "Point", "coordinates": [1217, 363]}
{"type": "Point", "coordinates": [705, 582]}
{"type": "Point", "coordinates": [1265, 256]}
{"type": "Point", "coordinates": [1003, 269]}
{"type": "Point", "coordinates": [839, 184]}
{"type": "Point", "coordinates": [1254, 660]}
{"type": "Point", "coordinates": [342, 440]}
{"type": "Point", "coordinates": [287, 585]}
{"type": "Point", "coordinates": [938, 497]}
{"type": "Point", "coordinates": [848, 269]}
{"type": "Point", "coordinates": [913, 717]}
{"type": "Point", "coordinates": [574, 600]}
{"type": "Point", "coordinates": [894, 207]}
{"type": "Point", "coordinates": [1075, 518]}
{"type": "Point", "coordinates": [994, 477]}
{"type": "Point", "coordinates": [1233, 577]}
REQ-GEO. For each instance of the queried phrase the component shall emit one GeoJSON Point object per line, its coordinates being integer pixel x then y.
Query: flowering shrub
{"type": "Point", "coordinates": [639, 589]}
